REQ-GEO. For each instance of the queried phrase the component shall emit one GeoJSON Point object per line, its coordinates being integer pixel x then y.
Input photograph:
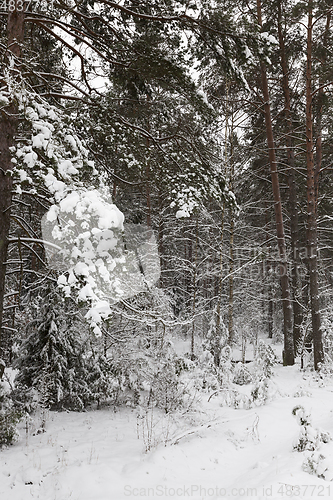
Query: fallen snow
{"type": "Point", "coordinates": [100, 455]}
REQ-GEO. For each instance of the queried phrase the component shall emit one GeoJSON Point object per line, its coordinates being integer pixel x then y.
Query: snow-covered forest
{"type": "Point", "coordinates": [166, 244]}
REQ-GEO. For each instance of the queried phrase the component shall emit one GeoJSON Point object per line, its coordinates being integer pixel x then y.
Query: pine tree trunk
{"type": "Point", "coordinates": [231, 335]}
{"type": "Point", "coordinates": [288, 355]}
{"type": "Point", "coordinates": [296, 280]}
{"type": "Point", "coordinates": [318, 349]}
{"type": "Point", "coordinates": [321, 95]}
{"type": "Point", "coordinates": [218, 329]}
{"type": "Point", "coordinates": [194, 288]}
{"type": "Point", "coordinates": [293, 212]}
{"type": "Point", "coordinates": [8, 129]}
{"type": "Point", "coordinates": [148, 192]}
{"type": "Point", "coordinates": [231, 283]}
{"type": "Point", "coordinates": [268, 272]}
{"type": "Point", "coordinates": [217, 339]}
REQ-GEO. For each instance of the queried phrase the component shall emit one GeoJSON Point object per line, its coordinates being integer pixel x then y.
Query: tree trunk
{"type": "Point", "coordinates": [318, 349]}
{"type": "Point", "coordinates": [148, 194]}
{"type": "Point", "coordinates": [231, 336]}
{"type": "Point", "coordinates": [288, 355]}
{"type": "Point", "coordinates": [296, 280]}
{"type": "Point", "coordinates": [293, 212]}
{"type": "Point", "coordinates": [268, 273]}
{"type": "Point", "coordinates": [218, 327]}
{"type": "Point", "coordinates": [321, 96]}
{"type": "Point", "coordinates": [218, 330]}
{"type": "Point", "coordinates": [8, 129]}
{"type": "Point", "coordinates": [194, 288]}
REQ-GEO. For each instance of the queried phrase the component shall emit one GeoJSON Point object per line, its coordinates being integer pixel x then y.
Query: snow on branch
{"type": "Point", "coordinates": [82, 229]}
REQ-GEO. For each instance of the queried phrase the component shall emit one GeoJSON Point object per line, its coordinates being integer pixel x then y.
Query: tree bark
{"type": "Point", "coordinates": [218, 330]}
{"type": "Point", "coordinates": [318, 349]}
{"type": "Point", "coordinates": [293, 212]}
{"type": "Point", "coordinates": [321, 96]}
{"type": "Point", "coordinates": [8, 129]}
{"type": "Point", "coordinates": [194, 288]}
{"type": "Point", "coordinates": [288, 355]}
{"type": "Point", "coordinates": [268, 273]}
{"type": "Point", "coordinates": [231, 334]}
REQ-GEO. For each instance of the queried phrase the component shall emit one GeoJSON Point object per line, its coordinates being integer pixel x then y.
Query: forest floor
{"type": "Point", "coordinates": [211, 452]}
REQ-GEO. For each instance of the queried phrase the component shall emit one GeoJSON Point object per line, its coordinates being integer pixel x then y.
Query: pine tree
{"type": "Point", "coordinates": [53, 358]}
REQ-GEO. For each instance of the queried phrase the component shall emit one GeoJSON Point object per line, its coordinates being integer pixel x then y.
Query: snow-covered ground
{"type": "Point", "coordinates": [235, 453]}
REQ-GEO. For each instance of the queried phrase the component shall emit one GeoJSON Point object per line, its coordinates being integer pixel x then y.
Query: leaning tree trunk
{"type": "Point", "coordinates": [293, 212]}
{"type": "Point", "coordinates": [318, 349]}
{"type": "Point", "coordinates": [288, 354]}
{"type": "Point", "coordinates": [8, 129]}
